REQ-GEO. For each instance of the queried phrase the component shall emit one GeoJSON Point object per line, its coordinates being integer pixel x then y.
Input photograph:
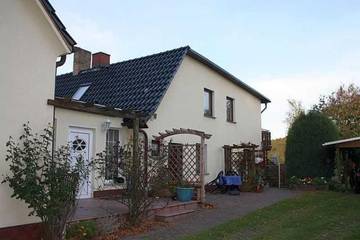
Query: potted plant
{"type": "Point", "coordinates": [184, 192]}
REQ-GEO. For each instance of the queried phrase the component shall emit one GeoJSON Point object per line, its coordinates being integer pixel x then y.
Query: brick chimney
{"type": "Point", "coordinates": [100, 59]}
{"type": "Point", "coordinates": [82, 60]}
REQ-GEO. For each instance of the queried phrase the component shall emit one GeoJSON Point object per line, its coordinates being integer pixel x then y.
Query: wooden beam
{"type": "Point", "coordinates": [93, 108]}
{"type": "Point", "coordinates": [175, 131]}
{"type": "Point", "coordinates": [352, 144]}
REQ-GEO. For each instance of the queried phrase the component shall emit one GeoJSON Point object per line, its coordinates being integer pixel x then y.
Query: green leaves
{"type": "Point", "coordinates": [305, 156]}
{"type": "Point", "coordinates": [45, 179]}
{"type": "Point", "coordinates": [343, 106]}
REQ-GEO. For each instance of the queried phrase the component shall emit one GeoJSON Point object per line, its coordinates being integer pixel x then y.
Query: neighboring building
{"type": "Point", "coordinates": [32, 38]}
{"type": "Point", "coordinates": [176, 89]}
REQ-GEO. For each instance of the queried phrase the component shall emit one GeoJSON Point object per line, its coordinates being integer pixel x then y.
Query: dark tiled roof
{"type": "Point", "coordinates": [137, 84]}
{"type": "Point", "coordinates": [57, 22]}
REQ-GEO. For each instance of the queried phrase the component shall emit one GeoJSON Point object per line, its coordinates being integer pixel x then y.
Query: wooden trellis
{"type": "Point", "coordinates": [185, 162]}
{"type": "Point", "coordinates": [240, 159]}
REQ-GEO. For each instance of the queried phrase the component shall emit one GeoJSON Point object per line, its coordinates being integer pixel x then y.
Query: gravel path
{"type": "Point", "coordinates": [226, 208]}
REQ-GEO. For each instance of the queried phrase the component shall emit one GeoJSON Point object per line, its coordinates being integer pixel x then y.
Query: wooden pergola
{"type": "Point", "coordinates": [203, 136]}
{"type": "Point", "coordinates": [240, 158]}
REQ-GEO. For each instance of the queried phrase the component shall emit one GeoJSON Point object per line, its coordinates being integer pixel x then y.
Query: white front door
{"type": "Point", "coordinates": [80, 141]}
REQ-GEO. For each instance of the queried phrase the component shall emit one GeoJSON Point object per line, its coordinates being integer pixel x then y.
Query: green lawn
{"type": "Point", "coordinates": [315, 215]}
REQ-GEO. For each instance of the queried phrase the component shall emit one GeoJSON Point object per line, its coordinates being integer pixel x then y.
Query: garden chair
{"type": "Point", "coordinates": [217, 184]}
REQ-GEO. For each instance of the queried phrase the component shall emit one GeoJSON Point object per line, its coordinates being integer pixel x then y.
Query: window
{"type": "Point", "coordinates": [229, 109]}
{"type": "Point", "coordinates": [208, 103]}
{"type": "Point", "coordinates": [80, 92]}
{"type": "Point", "coordinates": [155, 148]}
{"type": "Point", "coordinates": [112, 154]}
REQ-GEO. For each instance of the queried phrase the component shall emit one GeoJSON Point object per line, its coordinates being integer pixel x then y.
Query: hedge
{"type": "Point", "coordinates": [305, 156]}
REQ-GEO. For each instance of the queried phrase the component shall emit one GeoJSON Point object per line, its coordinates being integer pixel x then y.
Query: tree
{"type": "Point", "coordinates": [296, 109]}
{"type": "Point", "coordinates": [304, 154]}
{"type": "Point", "coordinates": [343, 106]}
{"type": "Point", "coordinates": [46, 179]}
{"type": "Point", "coordinates": [278, 149]}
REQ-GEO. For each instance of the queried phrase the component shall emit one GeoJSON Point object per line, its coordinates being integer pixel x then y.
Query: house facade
{"type": "Point", "coordinates": [203, 99]}
{"type": "Point", "coordinates": [178, 88]}
{"type": "Point", "coordinates": [32, 38]}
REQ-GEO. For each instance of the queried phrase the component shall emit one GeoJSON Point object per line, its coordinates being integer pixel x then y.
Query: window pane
{"type": "Point", "coordinates": [229, 109]}
{"type": "Point", "coordinates": [80, 92]}
{"type": "Point", "coordinates": [208, 102]}
{"type": "Point", "coordinates": [112, 154]}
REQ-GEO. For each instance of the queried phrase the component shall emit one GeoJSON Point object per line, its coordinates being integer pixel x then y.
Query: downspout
{"type": "Point", "coordinates": [61, 61]}
{"type": "Point", "coordinates": [264, 108]}
{"type": "Point", "coordinates": [58, 64]}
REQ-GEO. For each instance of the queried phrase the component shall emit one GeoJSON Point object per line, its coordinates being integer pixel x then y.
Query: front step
{"type": "Point", "coordinates": [171, 216]}
{"type": "Point", "coordinates": [172, 208]}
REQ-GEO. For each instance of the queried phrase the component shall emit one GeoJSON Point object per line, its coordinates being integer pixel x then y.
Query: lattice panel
{"type": "Point", "coordinates": [177, 163]}
{"type": "Point", "coordinates": [240, 161]}
{"type": "Point", "coordinates": [238, 165]}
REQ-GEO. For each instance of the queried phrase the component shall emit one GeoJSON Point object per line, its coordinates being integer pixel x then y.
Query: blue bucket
{"type": "Point", "coordinates": [184, 194]}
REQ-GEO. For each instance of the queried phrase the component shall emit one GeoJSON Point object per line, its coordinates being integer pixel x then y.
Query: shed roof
{"type": "Point", "coordinates": [345, 143]}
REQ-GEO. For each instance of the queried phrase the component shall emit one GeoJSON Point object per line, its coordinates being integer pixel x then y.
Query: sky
{"type": "Point", "coordinates": [285, 49]}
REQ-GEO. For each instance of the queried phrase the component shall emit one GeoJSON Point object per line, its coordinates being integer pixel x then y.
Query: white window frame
{"type": "Point", "coordinates": [80, 92]}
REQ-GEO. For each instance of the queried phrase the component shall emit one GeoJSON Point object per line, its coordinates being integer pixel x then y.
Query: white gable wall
{"type": "Point", "coordinates": [29, 49]}
{"type": "Point", "coordinates": [182, 107]}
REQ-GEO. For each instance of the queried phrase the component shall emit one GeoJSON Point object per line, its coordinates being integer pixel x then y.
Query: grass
{"type": "Point", "coordinates": [313, 215]}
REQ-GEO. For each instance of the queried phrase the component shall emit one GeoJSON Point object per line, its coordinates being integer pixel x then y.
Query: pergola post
{"type": "Point", "coordinates": [136, 142]}
{"type": "Point", "coordinates": [202, 170]}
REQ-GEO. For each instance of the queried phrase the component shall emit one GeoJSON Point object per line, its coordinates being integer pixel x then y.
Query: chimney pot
{"type": "Point", "coordinates": [82, 60]}
{"type": "Point", "coordinates": [100, 59]}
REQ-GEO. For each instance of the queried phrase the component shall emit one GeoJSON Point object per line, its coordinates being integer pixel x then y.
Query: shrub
{"type": "Point", "coordinates": [320, 181]}
{"type": "Point", "coordinates": [45, 178]}
{"type": "Point", "coordinates": [305, 155]}
{"type": "Point", "coordinates": [81, 231]}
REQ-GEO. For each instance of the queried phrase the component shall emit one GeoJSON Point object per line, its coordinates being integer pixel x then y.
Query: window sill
{"type": "Point", "coordinates": [207, 116]}
{"type": "Point", "coordinates": [231, 122]}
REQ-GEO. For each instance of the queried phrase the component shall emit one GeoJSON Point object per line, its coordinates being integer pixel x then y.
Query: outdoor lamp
{"type": "Point", "coordinates": [106, 125]}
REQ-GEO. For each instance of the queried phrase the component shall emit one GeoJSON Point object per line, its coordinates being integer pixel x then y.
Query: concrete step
{"type": "Point", "coordinates": [171, 216]}
{"type": "Point", "coordinates": [171, 207]}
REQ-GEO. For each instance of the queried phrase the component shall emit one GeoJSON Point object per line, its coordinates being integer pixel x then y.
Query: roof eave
{"type": "Point", "coordinates": [227, 75]}
{"type": "Point", "coordinates": [58, 26]}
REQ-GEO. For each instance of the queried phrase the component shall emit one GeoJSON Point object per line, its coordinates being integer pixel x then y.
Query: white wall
{"type": "Point", "coordinates": [182, 107]}
{"type": "Point", "coordinates": [66, 119]}
{"type": "Point", "coordinates": [28, 51]}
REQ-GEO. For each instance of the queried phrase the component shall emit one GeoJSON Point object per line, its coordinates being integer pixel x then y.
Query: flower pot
{"type": "Point", "coordinates": [184, 194]}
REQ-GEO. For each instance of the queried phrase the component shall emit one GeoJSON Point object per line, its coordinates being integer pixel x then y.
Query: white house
{"type": "Point", "coordinates": [178, 88]}
{"type": "Point", "coordinates": [32, 38]}
{"type": "Point", "coordinates": [174, 89]}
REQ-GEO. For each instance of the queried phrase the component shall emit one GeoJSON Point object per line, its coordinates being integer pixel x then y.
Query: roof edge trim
{"type": "Point", "coordinates": [197, 56]}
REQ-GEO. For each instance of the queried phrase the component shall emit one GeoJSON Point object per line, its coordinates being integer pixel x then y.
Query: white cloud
{"type": "Point", "coordinates": [306, 88]}
{"type": "Point", "coordinates": [91, 36]}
